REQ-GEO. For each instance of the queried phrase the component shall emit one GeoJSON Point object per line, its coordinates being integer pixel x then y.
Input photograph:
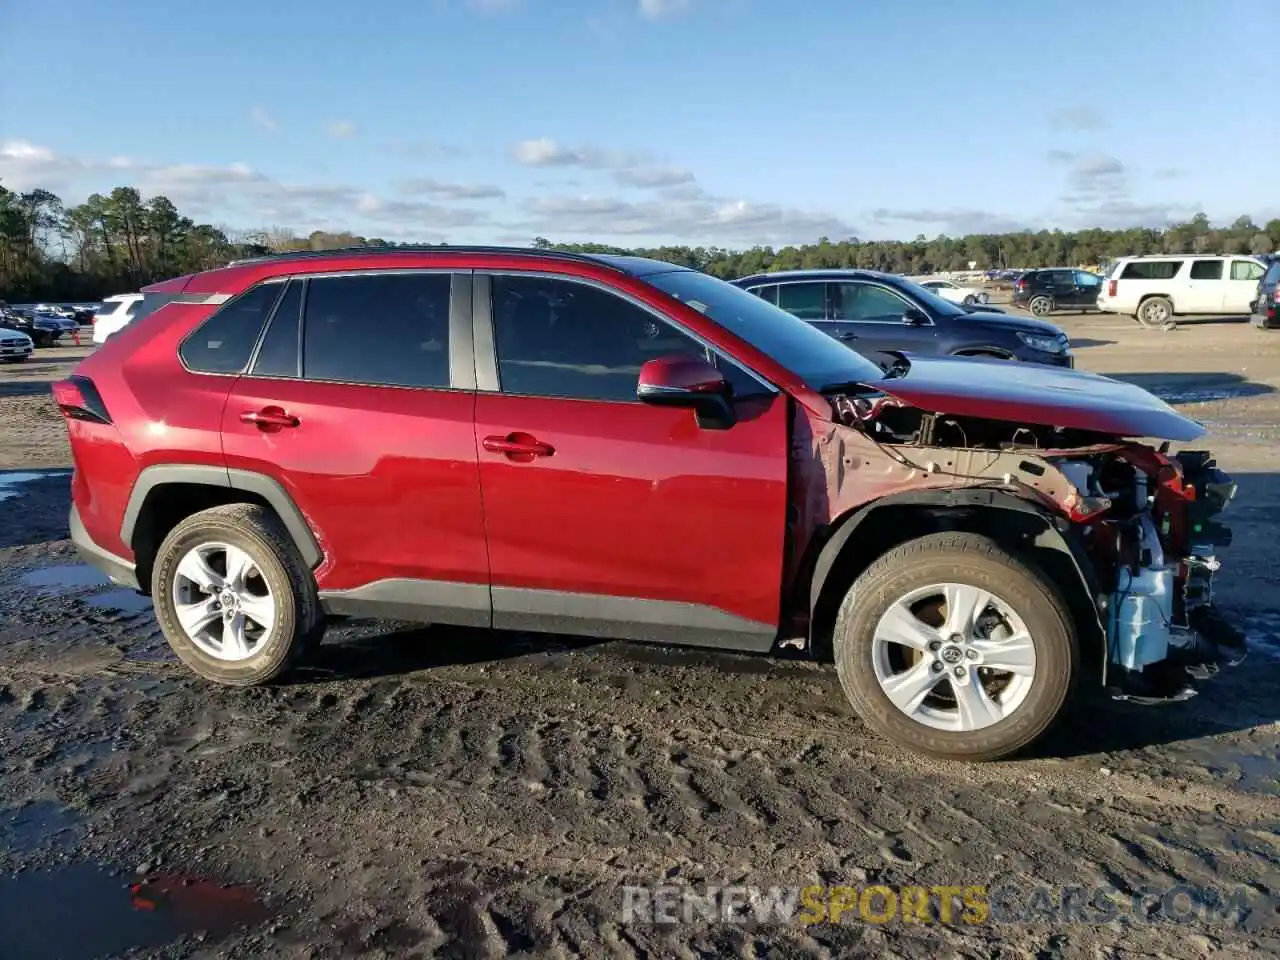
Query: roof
{"type": "Point", "coordinates": [635, 266]}
{"type": "Point", "coordinates": [832, 273]}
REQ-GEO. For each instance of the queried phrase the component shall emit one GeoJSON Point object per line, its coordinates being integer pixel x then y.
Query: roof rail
{"type": "Point", "coordinates": [366, 250]}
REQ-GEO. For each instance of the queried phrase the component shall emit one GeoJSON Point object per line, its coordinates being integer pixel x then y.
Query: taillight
{"type": "Point", "coordinates": [1111, 288]}
{"type": "Point", "coordinates": [78, 399]}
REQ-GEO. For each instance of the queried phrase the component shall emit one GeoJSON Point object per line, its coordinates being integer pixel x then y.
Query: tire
{"type": "Point", "coordinates": [914, 569]}
{"type": "Point", "coordinates": [1156, 312]}
{"type": "Point", "coordinates": [297, 621]}
{"type": "Point", "coordinates": [1040, 306]}
{"type": "Point", "coordinates": [970, 300]}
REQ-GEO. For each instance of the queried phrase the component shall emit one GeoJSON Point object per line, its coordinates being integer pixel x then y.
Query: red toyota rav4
{"type": "Point", "coordinates": [620, 447]}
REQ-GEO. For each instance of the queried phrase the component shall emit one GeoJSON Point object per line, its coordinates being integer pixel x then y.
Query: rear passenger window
{"type": "Point", "coordinates": [1246, 270]}
{"type": "Point", "coordinates": [1206, 270]}
{"type": "Point", "coordinates": [224, 342]}
{"type": "Point", "coordinates": [389, 329]}
{"type": "Point", "coordinates": [804, 300]}
{"type": "Point", "coordinates": [768, 293]}
{"type": "Point", "coordinates": [1151, 269]}
{"type": "Point", "coordinates": [278, 355]}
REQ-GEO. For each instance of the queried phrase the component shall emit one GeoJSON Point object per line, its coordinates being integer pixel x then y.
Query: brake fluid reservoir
{"type": "Point", "coordinates": [1141, 612]}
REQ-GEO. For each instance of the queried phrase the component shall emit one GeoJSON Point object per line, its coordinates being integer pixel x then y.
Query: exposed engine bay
{"type": "Point", "coordinates": [1142, 520]}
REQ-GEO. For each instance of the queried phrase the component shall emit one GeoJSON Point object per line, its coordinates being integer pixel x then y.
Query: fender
{"type": "Point", "coordinates": [246, 481]}
{"type": "Point", "coordinates": [1051, 535]}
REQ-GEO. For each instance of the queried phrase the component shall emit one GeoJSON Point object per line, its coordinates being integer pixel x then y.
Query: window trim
{"type": "Point", "coordinates": [226, 305]}
{"type": "Point", "coordinates": [1223, 271]}
{"type": "Point", "coordinates": [455, 374]}
{"type": "Point", "coordinates": [486, 351]}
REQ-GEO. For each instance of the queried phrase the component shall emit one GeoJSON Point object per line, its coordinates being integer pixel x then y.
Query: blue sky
{"type": "Point", "coordinates": [728, 122]}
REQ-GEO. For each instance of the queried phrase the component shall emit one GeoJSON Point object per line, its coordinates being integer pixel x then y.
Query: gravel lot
{"type": "Point", "coordinates": [452, 793]}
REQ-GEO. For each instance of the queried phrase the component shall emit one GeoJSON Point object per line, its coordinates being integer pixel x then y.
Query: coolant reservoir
{"type": "Point", "coordinates": [1141, 614]}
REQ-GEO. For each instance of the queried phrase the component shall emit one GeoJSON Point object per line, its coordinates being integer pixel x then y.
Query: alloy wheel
{"type": "Point", "coordinates": [953, 657]}
{"type": "Point", "coordinates": [222, 601]}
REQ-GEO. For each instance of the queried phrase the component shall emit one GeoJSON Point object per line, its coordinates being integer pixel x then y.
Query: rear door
{"type": "Point", "coordinates": [1241, 288]}
{"type": "Point", "coordinates": [1204, 288]}
{"type": "Point", "coordinates": [359, 401]}
{"type": "Point", "coordinates": [605, 515]}
{"type": "Point", "coordinates": [1088, 287]}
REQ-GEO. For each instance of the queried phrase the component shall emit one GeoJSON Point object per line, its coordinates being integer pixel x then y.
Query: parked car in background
{"type": "Point", "coordinates": [55, 310]}
{"type": "Point", "coordinates": [1157, 289]}
{"type": "Point", "coordinates": [15, 345]}
{"type": "Point", "coordinates": [115, 313]}
{"type": "Point", "coordinates": [43, 328]}
{"type": "Point", "coordinates": [1049, 289]}
{"type": "Point", "coordinates": [875, 313]}
{"type": "Point", "coordinates": [948, 290]}
{"type": "Point", "coordinates": [1267, 299]}
{"type": "Point", "coordinates": [624, 448]}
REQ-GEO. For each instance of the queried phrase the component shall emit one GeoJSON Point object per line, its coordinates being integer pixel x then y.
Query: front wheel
{"type": "Point", "coordinates": [970, 300]}
{"type": "Point", "coordinates": [955, 648]}
{"type": "Point", "coordinates": [1040, 306]}
{"type": "Point", "coordinates": [233, 596]}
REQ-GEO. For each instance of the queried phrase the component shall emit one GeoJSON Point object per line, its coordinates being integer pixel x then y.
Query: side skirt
{"type": "Point", "coordinates": [552, 611]}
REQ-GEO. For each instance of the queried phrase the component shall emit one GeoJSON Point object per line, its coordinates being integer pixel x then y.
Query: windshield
{"type": "Point", "coordinates": [818, 359]}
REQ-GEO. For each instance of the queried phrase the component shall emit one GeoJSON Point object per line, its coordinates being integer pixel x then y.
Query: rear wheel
{"type": "Point", "coordinates": [1040, 306]}
{"type": "Point", "coordinates": [1156, 312]}
{"type": "Point", "coordinates": [234, 598]}
{"type": "Point", "coordinates": [955, 648]}
{"type": "Point", "coordinates": [970, 300]}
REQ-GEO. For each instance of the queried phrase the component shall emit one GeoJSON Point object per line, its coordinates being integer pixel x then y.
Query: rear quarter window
{"type": "Point", "coordinates": [224, 342]}
{"type": "Point", "coordinates": [1151, 269]}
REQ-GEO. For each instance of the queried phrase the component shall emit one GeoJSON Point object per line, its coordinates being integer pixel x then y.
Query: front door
{"type": "Point", "coordinates": [370, 433]}
{"type": "Point", "coordinates": [607, 516]}
{"type": "Point", "coordinates": [879, 318]}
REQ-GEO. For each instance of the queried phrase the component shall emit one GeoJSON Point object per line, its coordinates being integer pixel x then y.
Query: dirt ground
{"type": "Point", "coordinates": [442, 792]}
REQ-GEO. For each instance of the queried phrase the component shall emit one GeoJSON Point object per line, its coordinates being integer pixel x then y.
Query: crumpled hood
{"type": "Point", "coordinates": [1036, 393]}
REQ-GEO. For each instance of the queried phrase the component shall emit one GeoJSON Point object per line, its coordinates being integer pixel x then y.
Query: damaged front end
{"type": "Point", "coordinates": [1141, 523]}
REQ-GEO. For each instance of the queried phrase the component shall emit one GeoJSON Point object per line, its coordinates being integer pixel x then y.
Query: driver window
{"type": "Point", "coordinates": [866, 303]}
{"type": "Point", "coordinates": [560, 338]}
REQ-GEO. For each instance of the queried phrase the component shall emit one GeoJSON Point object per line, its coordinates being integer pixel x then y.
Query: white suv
{"type": "Point", "coordinates": [114, 314]}
{"type": "Point", "coordinates": [1155, 289]}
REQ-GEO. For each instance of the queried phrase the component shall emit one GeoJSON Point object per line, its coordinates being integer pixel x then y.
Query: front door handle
{"type": "Point", "coordinates": [521, 447]}
{"type": "Point", "coordinates": [269, 417]}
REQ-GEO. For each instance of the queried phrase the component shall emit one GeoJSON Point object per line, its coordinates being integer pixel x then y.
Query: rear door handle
{"type": "Point", "coordinates": [269, 417]}
{"type": "Point", "coordinates": [518, 446]}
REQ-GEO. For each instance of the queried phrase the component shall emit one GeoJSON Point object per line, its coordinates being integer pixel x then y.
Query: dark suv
{"type": "Point", "coordinates": [1267, 305]}
{"type": "Point", "coordinates": [620, 447]}
{"type": "Point", "coordinates": [877, 312]}
{"type": "Point", "coordinates": [1057, 288]}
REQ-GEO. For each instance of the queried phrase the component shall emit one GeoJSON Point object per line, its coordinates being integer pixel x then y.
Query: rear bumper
{"type": "Point", "coordinates": [118, 569]}
{"type": "Point", "coordinates": [1266, 320]}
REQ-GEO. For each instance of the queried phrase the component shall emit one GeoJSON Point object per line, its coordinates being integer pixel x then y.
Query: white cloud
{"type": "Point", "coordinates": [954, 222]}
{"type": "Point", "coordinates": [657, 9]}
{"type": "Point", "coordinates": [341, 130]}
{"type": "Point", "coordinates": [627, 168]}
{"type": "Point", "coordinates": [261, 118]}
{"type": "Point", "coordinates": [234, 193]}
{"type": "Point", "coordinates": [1078, 119]}
{"type": "Point", "coordinates": [694, 219]}
{"type": "Point", "coordinates": [431, 187]}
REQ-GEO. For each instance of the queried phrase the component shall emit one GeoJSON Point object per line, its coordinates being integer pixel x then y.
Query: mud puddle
{"type": "Point", "coordinates": [83, 911]}
{"type": "Point", "coordinates": [79, 578]}
{"type": "Point", "coordinates": [11, 481]}
{"type": "Point", "coordinates": [37, 825]}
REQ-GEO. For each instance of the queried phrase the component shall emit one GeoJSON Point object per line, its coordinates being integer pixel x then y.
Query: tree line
{"type": "Point", "coordinates": [118, 242]}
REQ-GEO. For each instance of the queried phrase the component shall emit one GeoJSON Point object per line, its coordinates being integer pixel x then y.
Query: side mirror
{"type": "Point", "coordinates": [682, 381]}
{"type": "Point", "coordinates": [914, 317]}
